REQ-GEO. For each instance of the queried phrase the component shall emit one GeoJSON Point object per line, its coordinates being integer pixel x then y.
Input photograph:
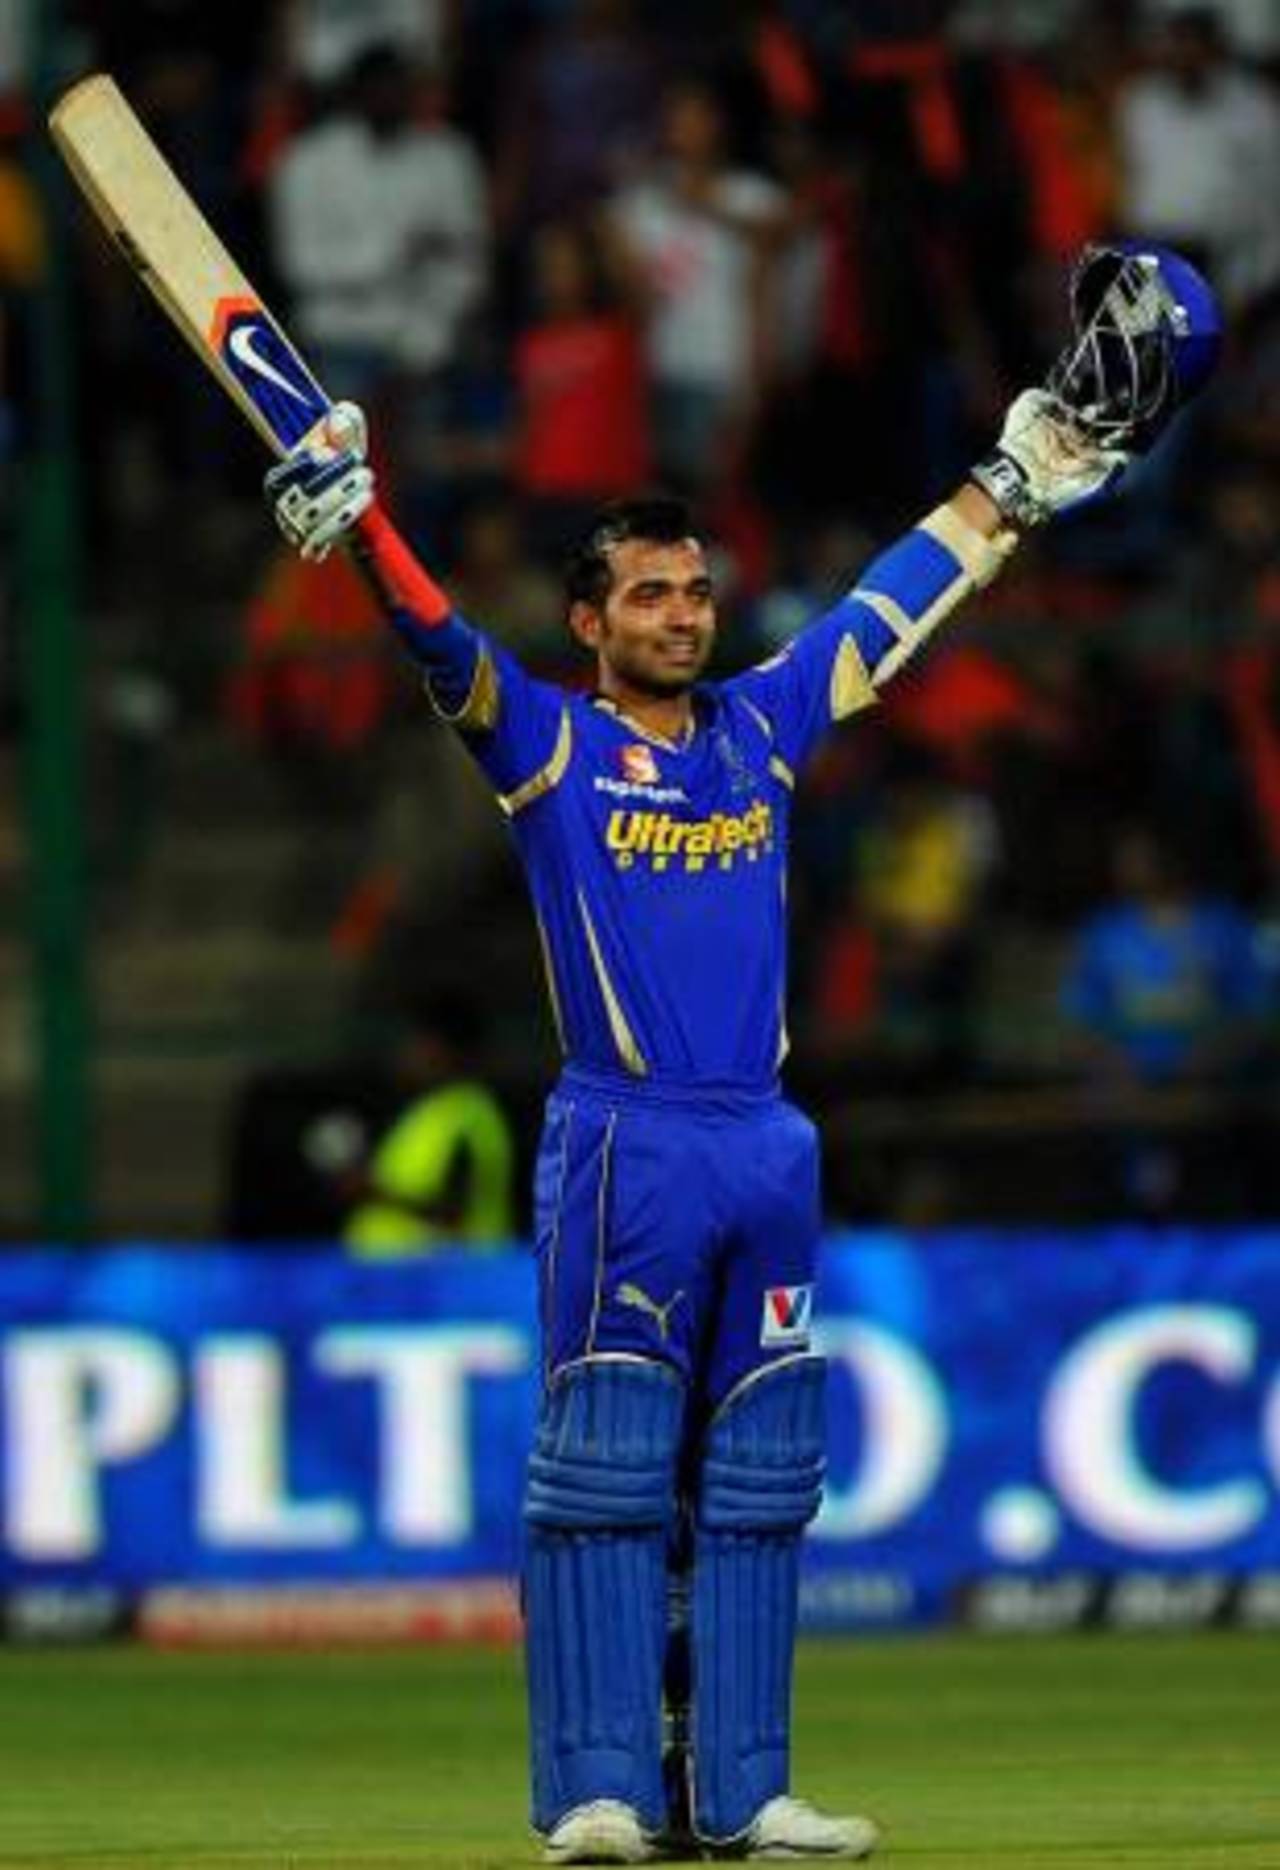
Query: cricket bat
{"type": "Point", "coordinates": [174, 251]}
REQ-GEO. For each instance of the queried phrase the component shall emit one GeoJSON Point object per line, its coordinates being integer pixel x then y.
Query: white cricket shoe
{"type": "Point", "coordinates": [604, 1832]}
{"type": "Point", "coordinates": [787, 1828]}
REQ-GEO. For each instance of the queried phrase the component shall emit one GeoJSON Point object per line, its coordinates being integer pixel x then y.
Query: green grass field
{"type": "Point", "coordinates": [1013, 1752]}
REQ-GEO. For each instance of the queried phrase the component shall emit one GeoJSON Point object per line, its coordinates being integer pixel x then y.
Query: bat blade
{"type": "Point", "coordinates": [180, 259]}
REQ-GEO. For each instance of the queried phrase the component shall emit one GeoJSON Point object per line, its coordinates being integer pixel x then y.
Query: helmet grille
{"type": "Point", "coordinates": [1117, 379]}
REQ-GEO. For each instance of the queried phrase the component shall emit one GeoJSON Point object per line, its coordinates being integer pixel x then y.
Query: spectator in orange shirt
{"type": "Point", "coordinates": [314, 681]}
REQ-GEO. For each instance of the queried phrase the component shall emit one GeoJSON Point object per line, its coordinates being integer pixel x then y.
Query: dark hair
{"type": "Point", "coordinates": [1204, 22]}
{"type": "Point", "coordinates": [375, 65]}
{"type": "Point", "coordinates": [659, 518]}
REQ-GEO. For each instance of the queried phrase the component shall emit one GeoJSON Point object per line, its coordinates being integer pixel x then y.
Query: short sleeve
{"type": "Point", "coordinates": [821, 677]}
{"type": "Point", "coordinates": [511, 723]}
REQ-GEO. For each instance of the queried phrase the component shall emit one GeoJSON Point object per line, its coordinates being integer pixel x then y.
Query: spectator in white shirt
{"type": "Point", "coordinates": [380, 228]}
{"type": "Point", "coordinates": [324, 38]}
{"type": "Point", "coordinates": [1253, 26]}
{"type": "Point", "coordinates": [1200, 151]}
{"type": "Point", "coordinates": [702, 239]}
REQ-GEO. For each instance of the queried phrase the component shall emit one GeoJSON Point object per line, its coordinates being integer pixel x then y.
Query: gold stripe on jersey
{"type": "Point", "coordinates": [552, 991]}
{"type": "Point", "coordinates": [623, 1037]}
{"type": "Point", "coordinates": [777, 765]}
{"type": "Point", "coordinates": [760, 718]}
{"type": "Point", "coordinates": [784, 1036]}
{"type": "Point", "coordinates": [889, 611]}
{"type": "Point", "coordinates": [602, 1227]}
{"type": "Point", "coordinates": [977, 561]}
{"type": "Point", "coordinates": [851, 686]}
{"type": "Point", "coordinates": [547, 776]}
{"type": "Point", "coordinates": [479, 711]}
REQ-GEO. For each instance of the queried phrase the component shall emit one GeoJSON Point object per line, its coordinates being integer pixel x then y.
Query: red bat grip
{"type": "Point", "coordinates": [401, 581]}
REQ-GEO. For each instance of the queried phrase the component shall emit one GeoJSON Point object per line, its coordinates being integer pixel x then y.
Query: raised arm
{"type": "Point", "coordinates": [324, 495]}
{"type": "Point", "coordinates": [1146, 337]}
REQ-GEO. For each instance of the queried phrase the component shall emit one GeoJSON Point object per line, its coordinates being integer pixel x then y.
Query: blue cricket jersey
{"type": "Point", "coordinates": [657, 871]}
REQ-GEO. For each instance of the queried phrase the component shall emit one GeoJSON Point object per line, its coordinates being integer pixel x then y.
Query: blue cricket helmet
{"type": "Point", "coordinates": [1147, 335]}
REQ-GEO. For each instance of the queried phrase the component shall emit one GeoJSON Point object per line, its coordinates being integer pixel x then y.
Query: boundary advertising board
{"type": "Point", "coordinates": [1024, 1430]}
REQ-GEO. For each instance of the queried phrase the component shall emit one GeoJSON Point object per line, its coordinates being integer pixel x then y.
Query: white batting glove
{"type": "Point", "coordinates": [1044, 464]}
{"type": "Point", "coordinates": [319, 491]}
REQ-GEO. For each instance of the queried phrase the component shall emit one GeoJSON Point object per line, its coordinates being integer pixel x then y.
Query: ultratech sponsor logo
{"type": "Point", "coordinates": [630, 789]}
{"type": "Point", "coordinates": [660, 839]}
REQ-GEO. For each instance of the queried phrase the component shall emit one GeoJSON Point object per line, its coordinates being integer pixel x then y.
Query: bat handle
{"type": "Point", "coordinates": [394, 569]}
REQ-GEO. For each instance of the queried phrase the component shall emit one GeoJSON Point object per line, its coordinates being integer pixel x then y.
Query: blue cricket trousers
{"type": "Point", "coordinates": [675, 1224]}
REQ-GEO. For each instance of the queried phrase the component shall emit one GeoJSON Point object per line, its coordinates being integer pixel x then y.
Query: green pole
{"type": "Point", "coordinates": [54, 740]}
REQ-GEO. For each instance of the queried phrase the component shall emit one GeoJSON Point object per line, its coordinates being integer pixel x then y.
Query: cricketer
{"type": "Point", "coordinates": [678, 1455]}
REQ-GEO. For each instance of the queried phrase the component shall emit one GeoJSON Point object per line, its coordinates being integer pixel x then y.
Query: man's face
{"type": "Point", "coordinates": [657, 626]}
{"type": "Point", "coordinates": [691, 125]}
{"type": "Point", "coordinates": [1191, 49]}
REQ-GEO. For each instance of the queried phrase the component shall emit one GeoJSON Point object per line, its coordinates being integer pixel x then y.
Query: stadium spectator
{"type": "Point", "coordinates": [1253, 26]}
{"type": "Point", "coordinates": [576, 117]}
{"type": "Point", "coordinates": [826, 342]}
{"type": "Point", "coordinates": [702, 237]}
{"type": "Point", "coordinates": [581, 396]}
{"type": "Point", "coordinates": [1165, 983]}
{"type": "Point", "coordinates": [1246, 411]}
{"type": "Point", "coordinates": [896, 971]}
{"type": "Point", "coordinates": [189, 69]}
{"type": "Point", "coordinates": [910, 356]}
{"type": "Point", "coordinates": [323, 39]}
{"type": "Point", "coordinates": [380, 227]}
{"type": "Point", "coordinates": [295, 1131]}
{"type": "Point", "coordinates": [443, 1167]}
{"type": "Point", "coordinates": [314, 680]}
{"type": "Point", "coordinates": [1027, 25]}
{"type": "Point", "coordinates": [495, 576]}
{"type": "Point", "coordinates": [1169, 999]}
{"type": "Point", "coordinates": [22, 263]}
{"type": "Point", "coordinates": [393, 1152]}
{"type": "Point", "coordinates": [1200, 151]}
{"type": "Point", "coordinates": [1061, 108]}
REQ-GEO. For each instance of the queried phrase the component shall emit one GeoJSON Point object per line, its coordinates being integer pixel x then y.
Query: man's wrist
{"type": "Point", "coordinates": [1005, 483]}
{"type": "Point", "coordinates": [974, 505]}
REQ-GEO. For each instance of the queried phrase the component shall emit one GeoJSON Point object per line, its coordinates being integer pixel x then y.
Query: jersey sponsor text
{"type": "Point", "coordinates": [659, 838]}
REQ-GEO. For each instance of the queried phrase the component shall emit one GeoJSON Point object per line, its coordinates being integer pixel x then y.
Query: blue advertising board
{"type": "Point", "coordinates": [1017, 1422]}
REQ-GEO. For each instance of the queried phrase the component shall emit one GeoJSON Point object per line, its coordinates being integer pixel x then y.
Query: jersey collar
{"type": "Point", "coordinates": [647, 733]}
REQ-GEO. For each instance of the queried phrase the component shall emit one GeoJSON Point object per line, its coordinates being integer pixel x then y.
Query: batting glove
{"type": "Point", "coordinates": [1044, 463]}
{"type": "Point", "coordinates": [318, 492]}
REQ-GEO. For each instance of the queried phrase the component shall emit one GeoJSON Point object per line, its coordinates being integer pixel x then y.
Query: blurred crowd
{"type": "Point", "coordinates": [792, 258]}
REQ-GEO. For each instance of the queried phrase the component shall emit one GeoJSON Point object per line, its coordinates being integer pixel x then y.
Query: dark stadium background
{"type": "Point", "coordinates": [240, 864]}
{"type": "Point", "coordinates": [221, 867]}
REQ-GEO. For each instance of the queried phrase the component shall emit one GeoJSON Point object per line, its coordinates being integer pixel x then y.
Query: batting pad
{"type": "Point", "coordinates": [598, 1503]}
{"type": "Point", "coordinates": [760, 1485]}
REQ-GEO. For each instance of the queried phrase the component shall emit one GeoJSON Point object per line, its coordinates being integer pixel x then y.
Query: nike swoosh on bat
{"type": "Point", "coordinates": [242, 345]}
